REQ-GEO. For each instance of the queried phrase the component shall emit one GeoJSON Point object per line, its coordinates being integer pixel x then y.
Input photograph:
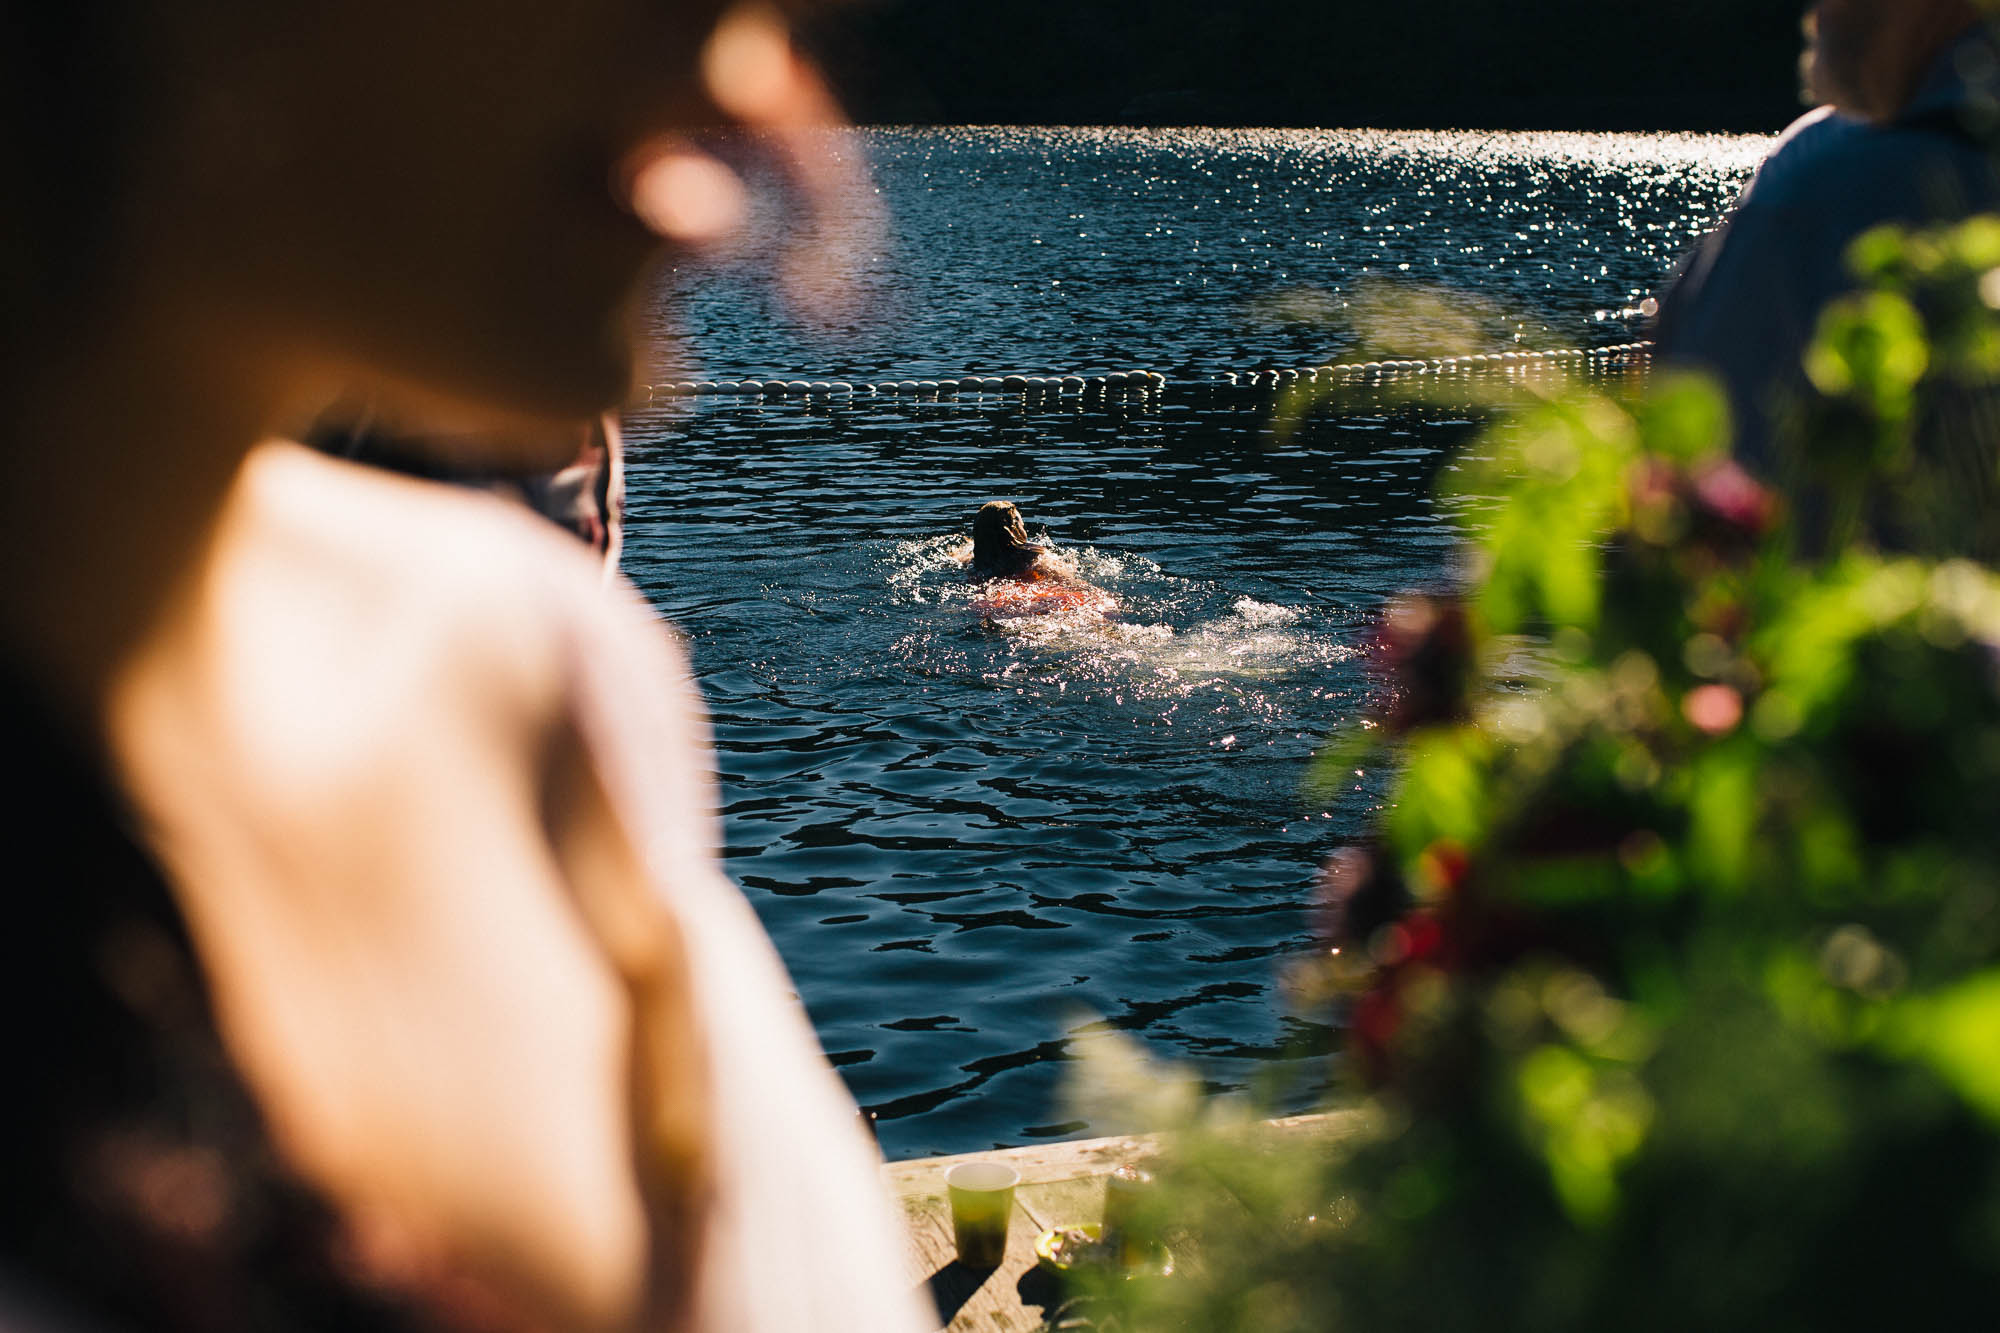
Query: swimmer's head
{"type": "Point", "coordinates": [1000, 542]}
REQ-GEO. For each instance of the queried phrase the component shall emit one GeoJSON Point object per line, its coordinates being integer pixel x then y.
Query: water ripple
{"type": "Point", "coordinates": [968, 832]}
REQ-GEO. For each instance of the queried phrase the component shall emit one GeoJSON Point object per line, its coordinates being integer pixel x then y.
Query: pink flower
{"type": "Point", "coordinates": [1728, 496]}
{"type": "Point", "coordinates": [1715, 709]}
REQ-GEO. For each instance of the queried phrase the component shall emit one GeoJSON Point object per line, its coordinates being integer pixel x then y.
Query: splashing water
{"type": "Point", "coordinates": [1139, 638]}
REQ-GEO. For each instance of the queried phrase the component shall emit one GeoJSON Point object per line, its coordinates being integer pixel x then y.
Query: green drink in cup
{"type": "Point", "coordinates": [982, 1203]}
{"type": "Point", "coordinates": [1128, 1234]}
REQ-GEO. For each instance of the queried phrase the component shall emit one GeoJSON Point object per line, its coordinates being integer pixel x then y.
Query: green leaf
{"type": "Point", "coordinates": [1957, 1032]}
{"type": "Point", "coordinates": [1723, 809]}
{"type": "Point", "coordinates": [1686, 418]}
{"type": "Point", "coordinates": [1443, 793]}
{"type": "Point", "coordinates": [1871, 348]}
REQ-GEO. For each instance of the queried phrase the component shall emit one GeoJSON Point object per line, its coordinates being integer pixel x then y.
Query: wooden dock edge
{"type": "Point", "coordinates": [1045, 1162]}
{"type": "Point", "coordinates": [1061, 1184]}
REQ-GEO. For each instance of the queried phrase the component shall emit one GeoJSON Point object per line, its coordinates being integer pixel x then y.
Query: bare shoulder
{"type": "Point", "coordinates": [458, 579]}
{"type": "Point", "coordinates": [347, 618]}
{"type": "Point", "coordinates": [1058, 566]}
{"type": "Point", "coordinates": [447, 568]}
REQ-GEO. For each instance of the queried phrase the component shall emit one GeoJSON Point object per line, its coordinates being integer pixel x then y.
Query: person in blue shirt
{"type": "Point", "coordinates": [1911, 93]}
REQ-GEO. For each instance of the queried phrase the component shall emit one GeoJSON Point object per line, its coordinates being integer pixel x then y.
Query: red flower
{"type": "Point", "coordinates": [1714, 505]}
{"type": "Point", "coordinates": [1372, 1028]}
{"type": "Point", "coordinates": [1421, 938]}
{"type": "Point", "coordinates": [1445, 866]}
{"type": "Point", "coordinates": [1731, 499]}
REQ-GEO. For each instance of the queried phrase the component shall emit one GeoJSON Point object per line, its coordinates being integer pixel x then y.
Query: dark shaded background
{"type": "Point", "coordinates": [1476, 64]}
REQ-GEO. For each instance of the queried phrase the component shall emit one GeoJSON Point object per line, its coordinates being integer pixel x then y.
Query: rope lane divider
{"type": "Point", "coordinates": [1151, 383]}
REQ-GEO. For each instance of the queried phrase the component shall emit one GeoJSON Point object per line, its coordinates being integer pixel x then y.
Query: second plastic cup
{"type": "Point", "coordinates": [982, 1203]}
{"type": "Point", "coordinates": [1128, 1192]}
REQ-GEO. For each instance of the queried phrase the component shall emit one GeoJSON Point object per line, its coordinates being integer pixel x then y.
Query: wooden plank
{"type": "Point", "coordinates": [988, 1300]}
{"type": "Point", "coordinates": [1089, 1157]}
{"type": "Point", "coordinates": [927, 1222]}
{"type": "Point", "coordinates": [1043, 1161]}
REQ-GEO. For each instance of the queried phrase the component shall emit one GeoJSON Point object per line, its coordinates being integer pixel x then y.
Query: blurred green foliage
{"type": "Point", "coordinates": [1672, 981]}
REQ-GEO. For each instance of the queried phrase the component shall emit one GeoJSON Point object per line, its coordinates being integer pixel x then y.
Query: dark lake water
{"type": "Point", "coordinates": [969, 838]}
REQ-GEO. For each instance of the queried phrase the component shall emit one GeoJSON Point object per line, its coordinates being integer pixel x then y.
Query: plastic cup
{"type": "Point", "coordinates": [982, 1203]}
{"type": "Point", "coordinates": [1128, 1193]}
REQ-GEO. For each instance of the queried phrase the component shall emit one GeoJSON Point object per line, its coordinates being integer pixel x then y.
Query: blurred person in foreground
{"type": "Point", "coordinates": [585, 497]}
{"type": "Point", "coordinates": [1906, 134]}
{"type": "Point", "coordinates": [368, 962]}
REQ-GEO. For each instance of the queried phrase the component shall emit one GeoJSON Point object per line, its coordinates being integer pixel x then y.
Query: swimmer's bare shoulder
{"type": "Point", "coordinates": [1053, 564]}
{"type": "Point", "coordinates": [342, 738]}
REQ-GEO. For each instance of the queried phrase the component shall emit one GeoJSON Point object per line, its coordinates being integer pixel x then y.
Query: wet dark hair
{"type": "Point", "coordinates": [1000, 545]}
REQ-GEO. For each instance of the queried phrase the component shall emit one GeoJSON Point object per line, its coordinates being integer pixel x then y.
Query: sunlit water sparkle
{"type": "Point", "coordinates": [967, 832]}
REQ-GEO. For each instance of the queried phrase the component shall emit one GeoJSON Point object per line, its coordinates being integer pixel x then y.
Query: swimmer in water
{"type": "Point", "coordinates": [1001, 549]}
{"type": "Point", "coordinates": [1026, 578]}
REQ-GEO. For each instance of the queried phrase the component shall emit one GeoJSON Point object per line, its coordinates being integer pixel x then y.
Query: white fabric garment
{"type": "Point", "coordinates": [803, 1237]}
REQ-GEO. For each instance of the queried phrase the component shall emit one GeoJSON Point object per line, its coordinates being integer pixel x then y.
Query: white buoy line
{"type": "Point", "coordinates": [1151, 383]}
